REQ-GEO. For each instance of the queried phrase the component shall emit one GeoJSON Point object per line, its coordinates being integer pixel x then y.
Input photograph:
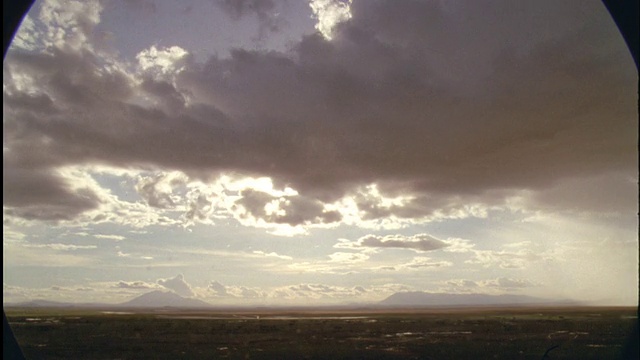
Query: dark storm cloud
{"type": "Point", "coordinates": [39, 194]}
{"type": "Point", "coordinates": [446, 102]}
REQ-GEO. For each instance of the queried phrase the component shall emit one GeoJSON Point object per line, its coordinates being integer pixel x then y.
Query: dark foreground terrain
{"type": "Point", "coordinates": [578, 333]}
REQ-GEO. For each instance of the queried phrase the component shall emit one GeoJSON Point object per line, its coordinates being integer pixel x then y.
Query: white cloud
{"type": "Point", "coordinates": [273, 255]}
{"type": "Point", "coordinates": [329, 13]}
{"type": "Point", "coordinates": [62, 247]}
{"type": "Point", "coordinates": [218, 290]}
{"type": "Point", "coordinates": [110, 237]}
{"type": "Point", "coordinates": [177, 284]}
{"type": "Point", "coordinates": [163, 61]}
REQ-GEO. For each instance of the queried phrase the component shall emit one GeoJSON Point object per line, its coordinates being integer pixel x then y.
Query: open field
{"type": "Point", "coordinates": [479, 333]}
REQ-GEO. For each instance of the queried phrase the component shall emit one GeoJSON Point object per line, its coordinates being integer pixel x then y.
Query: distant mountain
{"type": "Point", "coordinates": [154, 299]}
{"type": "Point", "coordinates": [419, 298]}
{"type": "Point", "coordinates": [164, 299]}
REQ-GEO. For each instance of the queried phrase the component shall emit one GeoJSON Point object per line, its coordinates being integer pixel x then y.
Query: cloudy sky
{"type": "Point", "coordinates": [317, 152]}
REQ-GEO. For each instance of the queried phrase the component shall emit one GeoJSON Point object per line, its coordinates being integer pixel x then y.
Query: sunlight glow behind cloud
{"type": "Point", "coordinates": [329, 13]}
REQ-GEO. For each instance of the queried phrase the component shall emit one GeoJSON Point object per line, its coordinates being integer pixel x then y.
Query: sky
{"type": "Point", "coordinates": [277, 152]}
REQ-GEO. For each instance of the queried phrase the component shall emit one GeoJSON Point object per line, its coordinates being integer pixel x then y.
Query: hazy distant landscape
{"type": "Point", "coordinates": [159, 298]}
{"type": "Point", "coordinates": [383, 333]}
{"type": "Point", "coordinates": [406, 325]}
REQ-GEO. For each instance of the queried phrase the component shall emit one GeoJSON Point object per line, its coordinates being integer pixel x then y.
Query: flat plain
{"type": "Point", "coordinates": [462, 333]}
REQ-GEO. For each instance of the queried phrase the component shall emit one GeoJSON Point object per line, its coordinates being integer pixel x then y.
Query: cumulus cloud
{"type": "Point", "coordinates": [163, 60]}
{"type": "Point", "coordinates": [218, 289]}
{"type": "Point", "coordinates": [393, 99]}
{"type": "Point", "coordinates": [177, 284]}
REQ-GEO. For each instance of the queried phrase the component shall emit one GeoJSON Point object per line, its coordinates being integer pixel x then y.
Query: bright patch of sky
{"type": "Point", "coordinates": [279, 152]}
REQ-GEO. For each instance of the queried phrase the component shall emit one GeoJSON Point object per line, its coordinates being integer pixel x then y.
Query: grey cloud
{"type": "Point", "coordinates": [177, 284]}
{"type": "Point", "coordinates": [418, 242]}
{"type": "Point", "coordinates": [198, 207]}
{"type": "Point", "coordinates": [168, 97]}
{"type": "Point", "coordinates": [150, 189]}
{"type": "Point", "coordinates": [240, 8]}
{"type": "Point", "coordinates": [218, 289]}
{"type": "Point", "coordinates": [266, 12]}
{"type": "Point", "coordinates": [474, 103]}
{"type": "Point", "coordinates": [462, 283]}
{"type": "Point", "coordinates": [134, 285]}
{"type": "Point", "coordinates": [146, 6]}
{"type": "Point", "coordinates": [40, 194]}
{"type": "Point", "coordinates": [297, 209]}
{"type": "Point", "coordinates": [616, 193]}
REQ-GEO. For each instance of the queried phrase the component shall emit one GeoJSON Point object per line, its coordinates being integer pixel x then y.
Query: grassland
{"type": "Point", "coordinates": [481, 333]}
